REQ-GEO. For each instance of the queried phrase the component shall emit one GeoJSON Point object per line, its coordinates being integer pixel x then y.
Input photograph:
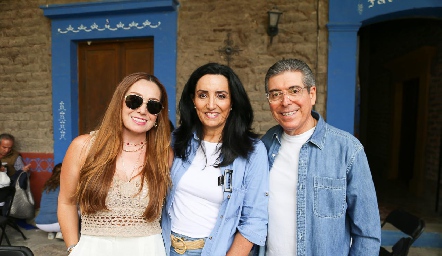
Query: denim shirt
{"type": "Point", "coordinates": [337, 210]}
{"type": "Point", "coordinates": [243, 209]}
{"type": "Point", "coordinates": [48, 207]}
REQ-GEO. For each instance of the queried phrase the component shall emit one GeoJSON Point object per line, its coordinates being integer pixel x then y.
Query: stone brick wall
{"type": "Point", "coordinates": [25, 55]}
{"type": "Point", "coordinates": [203, 28]}
{"type": "Point", "coordinates": [25, 78]}
{"type": "Point", "coordinates": [25, 74]}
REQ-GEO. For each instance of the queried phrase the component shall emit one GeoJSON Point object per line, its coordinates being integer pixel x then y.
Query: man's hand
{"type": "Point", "coordinates": [26, 167]}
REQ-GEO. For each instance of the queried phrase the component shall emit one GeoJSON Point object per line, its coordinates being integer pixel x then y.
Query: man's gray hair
{"type": "Point", "coordinates": [7, 136]}
{"type": "Point", "coordinates": [291, 65]}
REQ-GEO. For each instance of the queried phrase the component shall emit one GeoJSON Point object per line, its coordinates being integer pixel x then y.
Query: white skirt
{"type": "Point", "coordinates": [109, 246]}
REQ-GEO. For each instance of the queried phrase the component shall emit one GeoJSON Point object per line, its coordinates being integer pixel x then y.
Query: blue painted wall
{"type": "Point", "coordinates": [105, 20]}
{"type": "Point", "coordinates": [345, 19]}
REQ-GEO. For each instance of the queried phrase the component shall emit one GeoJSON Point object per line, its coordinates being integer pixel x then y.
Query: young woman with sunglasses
{"type": "Point", "coordinates": [118, 175]}
{"type": "Point", "coordinates": [218, 201]}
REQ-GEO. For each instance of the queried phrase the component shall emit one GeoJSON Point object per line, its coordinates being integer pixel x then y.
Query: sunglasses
{"type": "Point", "coordinates": [135, 101]}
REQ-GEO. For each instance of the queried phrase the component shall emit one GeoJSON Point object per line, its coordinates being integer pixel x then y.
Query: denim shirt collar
{"type": "Point", "coordinates": [194, 144]}
{"type": "Point", "coordinates": [195, 137]}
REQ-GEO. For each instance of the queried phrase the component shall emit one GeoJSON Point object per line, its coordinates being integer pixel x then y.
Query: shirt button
{"type": "Point", "coordinates": [267, 194]}
{"type": "Point", "coordinates": [228, 197]}
{"type": "Point", "coordinates": [210, 238]}
{"type": "Point", "coordinates": [273, 155]}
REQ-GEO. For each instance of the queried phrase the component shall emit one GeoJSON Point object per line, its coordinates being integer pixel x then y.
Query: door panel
{"type": "Point", "coordinates": [98, 68]}
{"type": "Point", "coordinates": [137, 57]}
{"type": "Point", "coordinates": [407, 143]}
{"type": "Point", "coordinates": [101, 67]}
{"type": "Point", "coordinates": [409, 117]}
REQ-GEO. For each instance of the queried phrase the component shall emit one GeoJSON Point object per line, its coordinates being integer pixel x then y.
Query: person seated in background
{"type": "Point", "coordinates": [46, 219]}
{"type": "Point", "coordinates": [12, 162]}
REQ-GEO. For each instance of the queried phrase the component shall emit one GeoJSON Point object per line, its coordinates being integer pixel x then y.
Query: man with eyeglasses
{"type": "Point", "coordinates": [322, 199]}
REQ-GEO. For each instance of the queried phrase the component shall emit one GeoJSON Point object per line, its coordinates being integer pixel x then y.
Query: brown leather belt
{"type": "Point", "coordinates": [181, 246]}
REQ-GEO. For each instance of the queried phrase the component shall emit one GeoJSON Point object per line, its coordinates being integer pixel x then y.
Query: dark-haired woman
{"type": "Point", "coordinates": [46, 219]}
{"type": "Point", "coordinates": [218, 201]}
{"type": "Point", "coordinates": [119, 175]}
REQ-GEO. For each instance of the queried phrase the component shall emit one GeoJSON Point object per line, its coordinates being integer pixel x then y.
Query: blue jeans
{"type": "Point", "coordinates": [196, 252]}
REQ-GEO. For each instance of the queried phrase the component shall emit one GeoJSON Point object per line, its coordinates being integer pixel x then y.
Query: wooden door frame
{"type": "Point", "coordinates": [118, 69]}
{"type": "Point", "coordinates": [415, 64]}
{"type": "Point", "coordinates": [106, 20]}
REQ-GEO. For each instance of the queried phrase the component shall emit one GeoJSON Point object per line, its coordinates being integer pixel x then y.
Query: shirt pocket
{"type": "Point", "coordinates": [329, 201]}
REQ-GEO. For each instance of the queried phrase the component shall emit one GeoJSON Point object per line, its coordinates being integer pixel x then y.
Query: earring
{"type": "Point", "coordinates": [155, 124]}
{"type": "Point", "coordinates": [194, 107]}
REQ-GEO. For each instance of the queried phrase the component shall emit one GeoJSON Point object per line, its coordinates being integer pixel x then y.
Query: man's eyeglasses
{"type": "Point", "coordinates": [134, 101]}
{"type": "Point", "coordinates": [277, 96]}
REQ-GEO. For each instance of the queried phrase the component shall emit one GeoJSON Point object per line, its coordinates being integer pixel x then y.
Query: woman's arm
{"type": "Point", "coordinates": [240, 246]}
{"type": "Point", "coordinates": [70, 173]}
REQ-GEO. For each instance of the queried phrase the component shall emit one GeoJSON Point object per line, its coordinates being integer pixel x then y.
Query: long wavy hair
{"type": "Point", "coordinates": [54, 181]}
{"type": "Point", "coordinates": [99, 168]}
{"type": "Point", "coordinates": [237, 136]}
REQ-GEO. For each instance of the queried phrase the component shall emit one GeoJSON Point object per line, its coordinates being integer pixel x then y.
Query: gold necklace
{"type": "Point", "coordinates": [129, 178]}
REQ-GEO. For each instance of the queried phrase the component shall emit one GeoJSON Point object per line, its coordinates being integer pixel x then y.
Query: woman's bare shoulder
{"type": "Point", "coordinates": [81, 140]}
{"type": "Point", "coordinates": [81, 144]}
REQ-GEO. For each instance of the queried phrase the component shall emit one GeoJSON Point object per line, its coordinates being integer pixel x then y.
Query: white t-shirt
{"type": "Point", "coordinates": [198, 197]}
{"type": "Point", "coordinates": [4, 182]}
{"type": "Point", "coordinates": [281, 239]}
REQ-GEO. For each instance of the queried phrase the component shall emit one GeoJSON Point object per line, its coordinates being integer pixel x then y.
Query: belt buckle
{"type": "Point", "coordinates": [177, 240]}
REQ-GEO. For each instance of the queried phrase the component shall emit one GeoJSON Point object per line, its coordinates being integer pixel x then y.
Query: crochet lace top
{"type": "Point", "coordinates": [125, 215]}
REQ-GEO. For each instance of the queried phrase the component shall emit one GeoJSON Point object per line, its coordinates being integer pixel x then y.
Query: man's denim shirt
{"type": "Point", "coordinates": [336, 197]}
{"type": "Point", "coordinates": [243, 209]}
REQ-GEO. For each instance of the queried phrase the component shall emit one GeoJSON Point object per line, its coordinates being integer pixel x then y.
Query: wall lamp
{"type": "Point", "coordinates": [274, 15]}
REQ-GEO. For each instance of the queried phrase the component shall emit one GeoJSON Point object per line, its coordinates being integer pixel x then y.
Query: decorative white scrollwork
{"type": "Point", "coordinates": [107, 26]}
{"type": "Point", "coordinates": [360, 8]}
{"type": "Point", "coordinates": [378, 2]}
{"type": "Point", "coordinates": [62, 120]}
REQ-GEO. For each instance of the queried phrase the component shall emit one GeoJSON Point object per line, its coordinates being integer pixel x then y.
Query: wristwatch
{"type": "Point", "coordinates": [70, 248]}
